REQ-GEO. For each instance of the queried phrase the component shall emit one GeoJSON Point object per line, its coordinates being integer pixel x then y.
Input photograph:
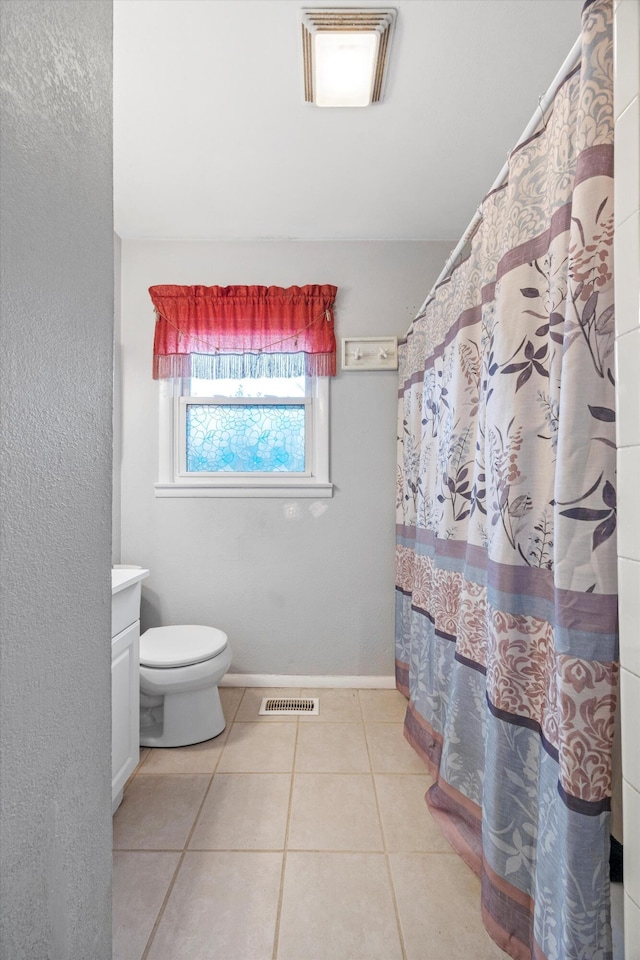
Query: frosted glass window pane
{"type": "Point", "coordinates": [245, 438]}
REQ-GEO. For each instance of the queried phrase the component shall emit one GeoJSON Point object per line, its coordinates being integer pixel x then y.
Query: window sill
{"type": "Point", "coordinates": [235, 488]}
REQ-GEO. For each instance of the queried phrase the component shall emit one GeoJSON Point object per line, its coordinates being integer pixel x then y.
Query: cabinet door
{"type": "Point", "coordinates": [125, 706]}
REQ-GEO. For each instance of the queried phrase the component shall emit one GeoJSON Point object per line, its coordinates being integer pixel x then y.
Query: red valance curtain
{"type": "Point", "coordinates": [222, 332]}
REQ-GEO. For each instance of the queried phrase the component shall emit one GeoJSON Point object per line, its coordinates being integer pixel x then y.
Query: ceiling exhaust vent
{"type": "Point", "coordinates": [345, 52]}
{"type": "Point", "coordinates": [286, 705]}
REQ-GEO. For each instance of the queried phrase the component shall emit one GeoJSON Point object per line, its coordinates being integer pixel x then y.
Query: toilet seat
{"type": "Point", "coordinates": [164, 648]}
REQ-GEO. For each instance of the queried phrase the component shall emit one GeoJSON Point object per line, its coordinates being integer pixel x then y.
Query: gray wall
{"type": "Point", "coordinates": [298, 593]}
{"type": "Point", "coordinates": [56, 375]}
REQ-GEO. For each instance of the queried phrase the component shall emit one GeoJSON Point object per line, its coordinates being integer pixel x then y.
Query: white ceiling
{"type": "Point", "coordinates": [212, 138]}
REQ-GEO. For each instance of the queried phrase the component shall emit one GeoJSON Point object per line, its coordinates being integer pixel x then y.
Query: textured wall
{"type": "Point", "coordinates": [56, 376]}
{"type": "Point", "coordinates": [297, 592]}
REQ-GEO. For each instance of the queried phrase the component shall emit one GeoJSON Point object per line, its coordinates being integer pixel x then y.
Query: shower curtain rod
{"type": "Point", "coordinates": [543, 103]}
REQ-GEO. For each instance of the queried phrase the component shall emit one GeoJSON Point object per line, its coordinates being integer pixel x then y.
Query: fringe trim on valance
{"type": "Point", "coordinates": [233, 366]}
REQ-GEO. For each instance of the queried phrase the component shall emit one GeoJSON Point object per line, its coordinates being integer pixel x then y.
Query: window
{"type": "Point", "coordinates": [253, 437]}
{"type": "Point", "coordinates": [246, 427]}
{"type": "Point", "coordinates": [244, 390]}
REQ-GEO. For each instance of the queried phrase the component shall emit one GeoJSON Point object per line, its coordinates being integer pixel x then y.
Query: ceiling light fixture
{"type": "Point", "coordinates": [346, 52]}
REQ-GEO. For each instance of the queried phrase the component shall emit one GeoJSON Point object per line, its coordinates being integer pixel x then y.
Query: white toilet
{"type": "Point", "coordinates": [180, 669]}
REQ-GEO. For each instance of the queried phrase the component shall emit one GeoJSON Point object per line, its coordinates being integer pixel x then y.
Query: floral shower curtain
{"type": "Point", "coordinates": [506, 552]}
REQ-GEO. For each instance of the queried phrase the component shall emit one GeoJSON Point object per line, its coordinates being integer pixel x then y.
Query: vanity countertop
{"type": "Point", "coordinates": [125, 576]}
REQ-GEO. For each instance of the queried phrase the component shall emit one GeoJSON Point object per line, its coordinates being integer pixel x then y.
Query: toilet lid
{"type": "Point", "coordinates": [180, 646]}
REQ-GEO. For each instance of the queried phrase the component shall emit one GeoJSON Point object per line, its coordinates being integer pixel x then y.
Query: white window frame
{"type": "Point", "coordinates": [174, 481]}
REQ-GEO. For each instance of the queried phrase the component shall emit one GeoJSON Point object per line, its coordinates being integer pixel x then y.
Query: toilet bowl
{"type": "Point", "coordinates": [180, 669]}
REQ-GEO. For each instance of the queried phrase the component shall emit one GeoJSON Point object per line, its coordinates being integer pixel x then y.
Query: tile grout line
{"type": "Point", "coordinates": [348, 851]}
{"type": "Point", "coordinates": [145, 952]}
{"type": "Point", "coordinates": [252, 773]}
{"type": "Point", "coordinates": [386, 852]}
{"type": "Point", "coordinates": [235, 712]}
{"type": "Point", "coordinates": [276, 931]}
{"type": "Point", "coordinates": [174, 878]}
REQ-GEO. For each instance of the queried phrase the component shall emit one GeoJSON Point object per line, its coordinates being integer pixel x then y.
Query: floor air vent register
{"type": "Point", "coordinates": [289, 705]}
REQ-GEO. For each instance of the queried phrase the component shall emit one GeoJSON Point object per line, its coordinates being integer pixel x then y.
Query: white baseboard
{"type": "Point", "coordinates": [282, 680]}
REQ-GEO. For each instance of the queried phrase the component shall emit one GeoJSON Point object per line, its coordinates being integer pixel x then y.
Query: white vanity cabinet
{"type": "Point", "coordinates": [125, 676]}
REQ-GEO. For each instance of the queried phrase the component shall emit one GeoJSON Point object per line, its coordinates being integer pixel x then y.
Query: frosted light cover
{"type": "Point", "coordinates": [344, 66]}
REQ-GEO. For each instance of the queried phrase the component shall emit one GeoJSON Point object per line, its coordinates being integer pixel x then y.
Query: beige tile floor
{"type": "Point", "coordinates": [291, 839]}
